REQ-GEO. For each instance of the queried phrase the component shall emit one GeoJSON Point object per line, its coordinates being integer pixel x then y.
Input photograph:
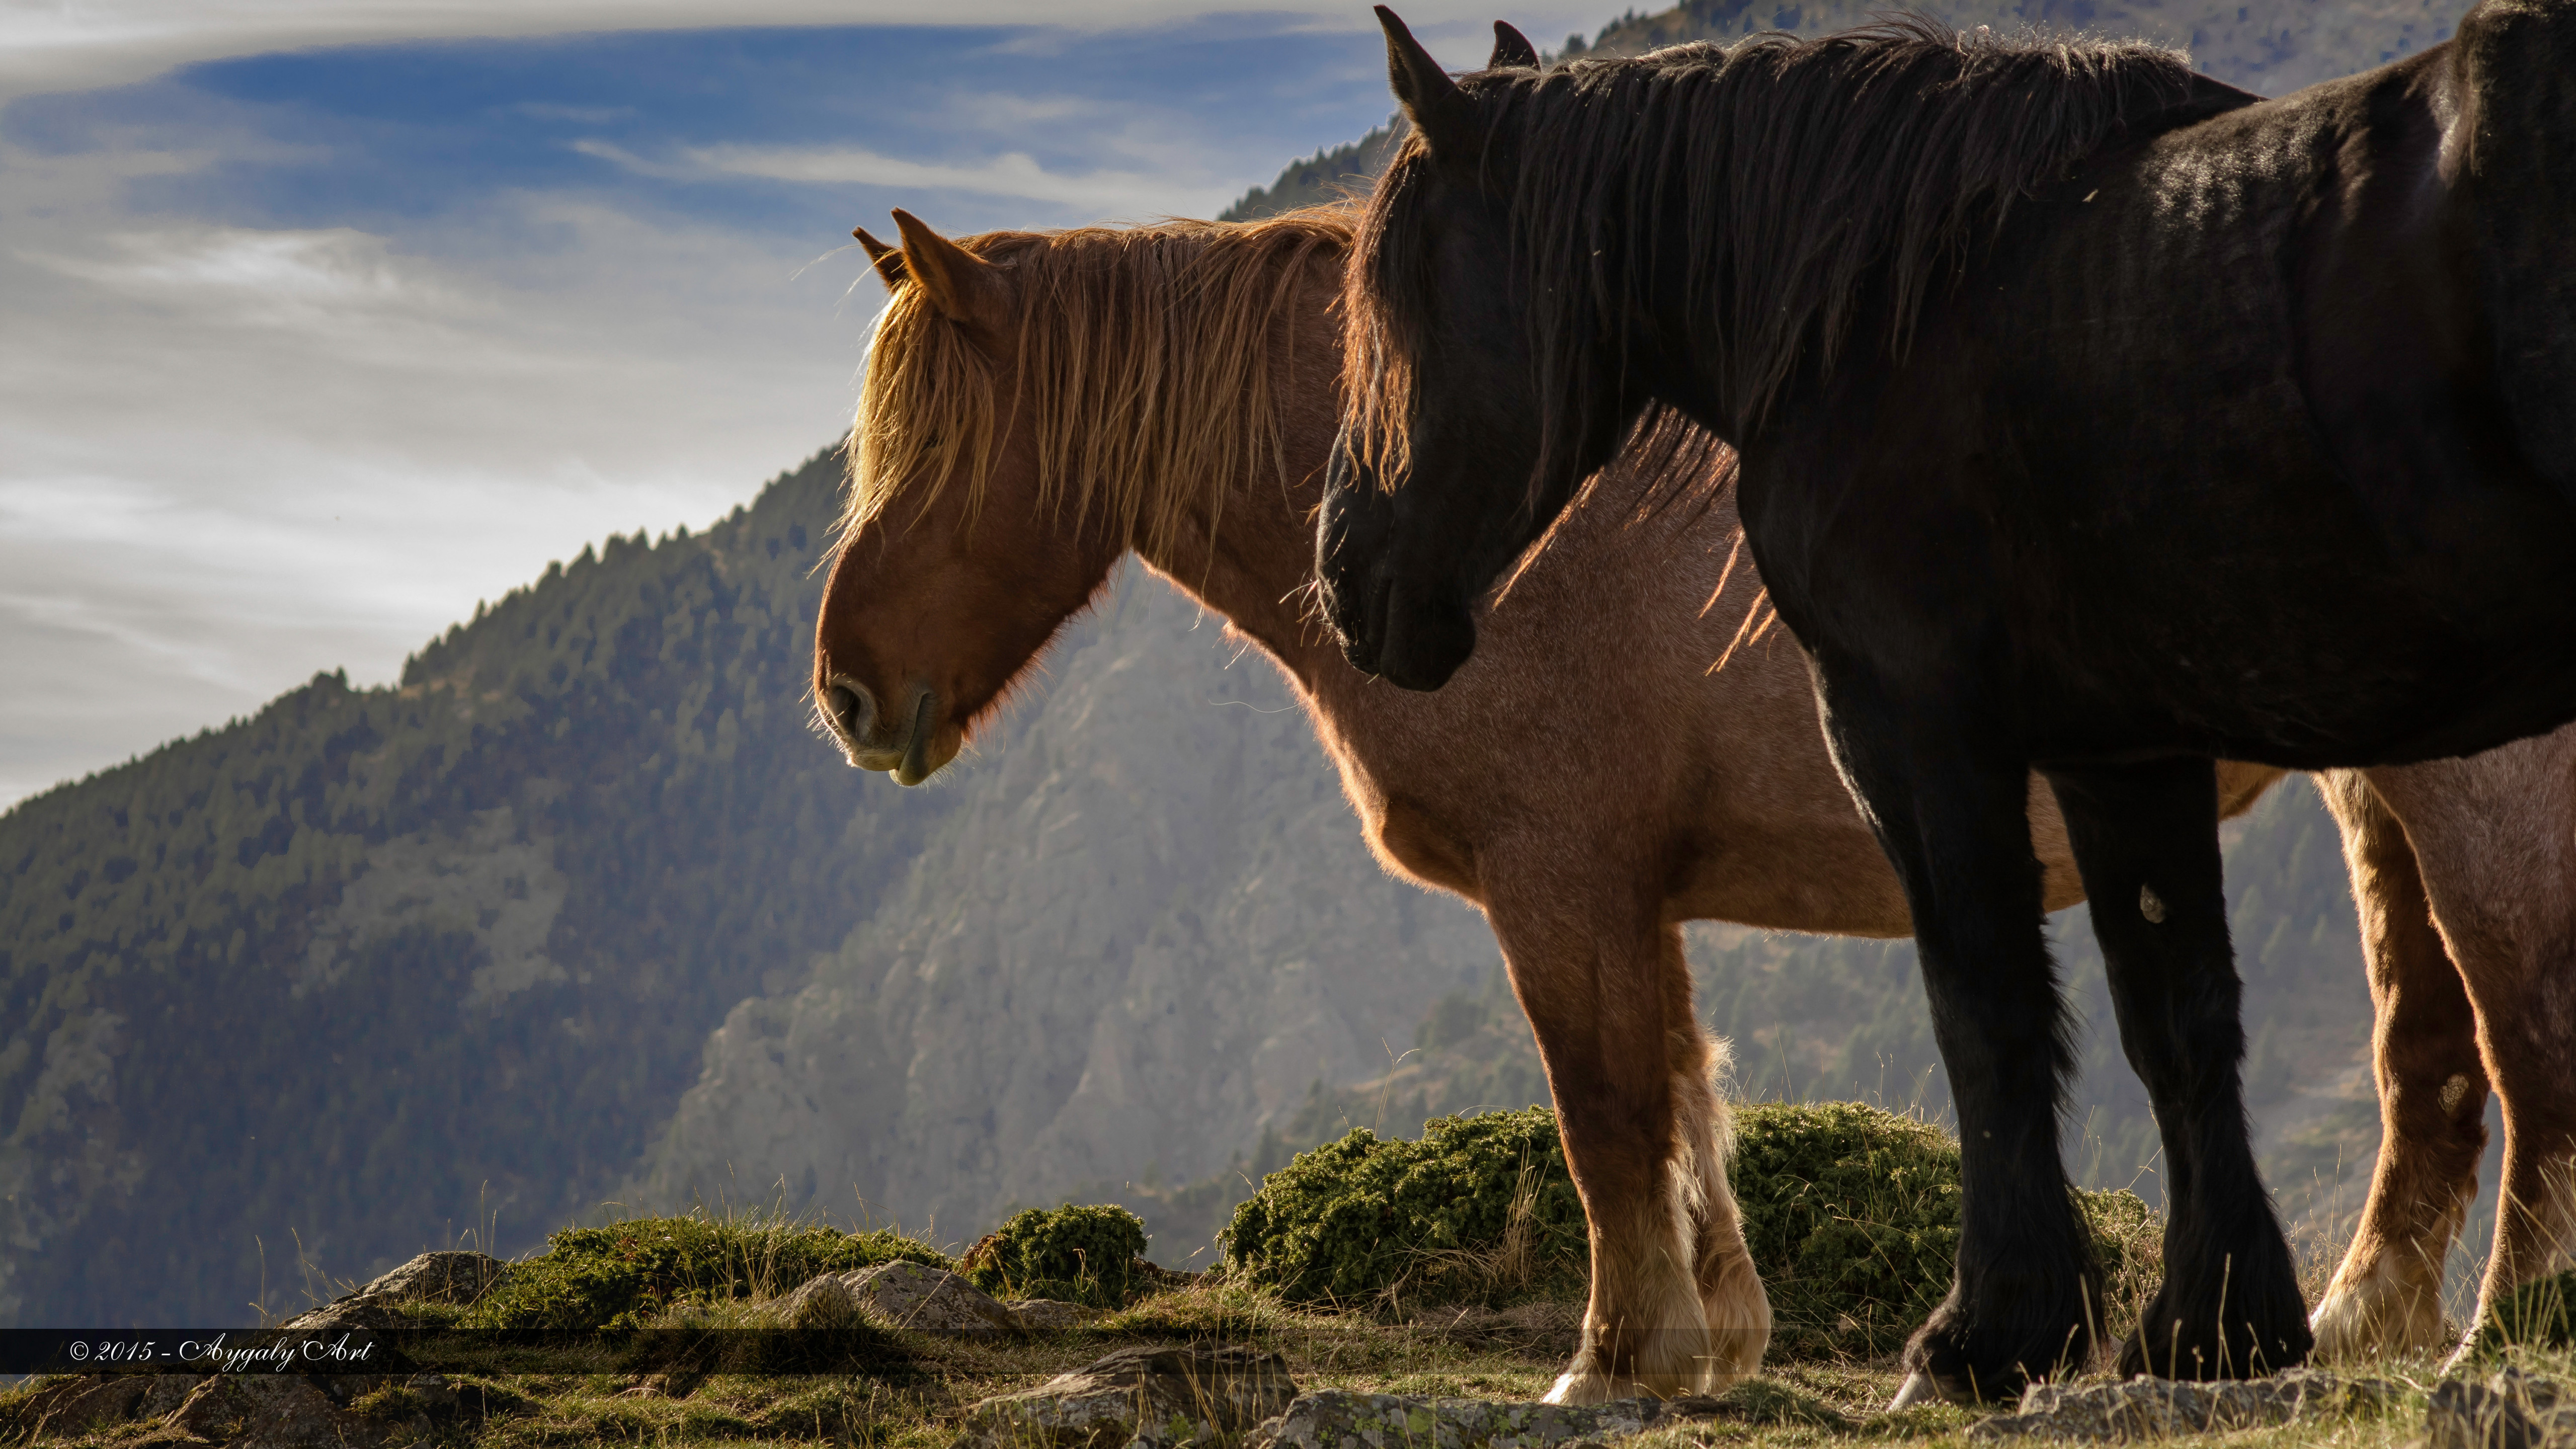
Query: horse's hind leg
{"type": "Point", "coordinates": [1590, 970]}
{"type": "Point", "coordinates": [2495, 835]}
{"type": "Point", "coordinates": [2146, 840]}
{"type": "Point", "coordinates": [1950, 805]}
{"type": "Point", "coordinates": [2386, 1297]}
{"type": "Point", "coordinates": [1730, 1289]}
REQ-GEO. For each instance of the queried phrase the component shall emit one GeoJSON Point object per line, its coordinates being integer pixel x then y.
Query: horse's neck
{"type": "Point", "coordinates": [1250, 554]}
{"type": "Point", "coordinates": [1255, 566]}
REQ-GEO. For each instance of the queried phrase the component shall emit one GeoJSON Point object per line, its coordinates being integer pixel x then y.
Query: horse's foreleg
{"type": "Point", "coordinates": [2386, 1297]}
{"type": "Point", "coordinates": [1950, 804]}
{"type": "Point", "coordinates": [2146, 840]}
{"type": "Point", "coordinates": [1590, 972]}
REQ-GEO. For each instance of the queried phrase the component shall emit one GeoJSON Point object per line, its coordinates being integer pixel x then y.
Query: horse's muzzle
{"type": "Point", "coordinates": [869, 739]}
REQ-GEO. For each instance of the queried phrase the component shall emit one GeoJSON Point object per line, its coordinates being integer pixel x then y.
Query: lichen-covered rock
{"type": "Point", "coordinates": [1047, 1315]}
{"type": "Point", "coordinates": [2153, 1408]}
{"type": "Point", "coordinates": [1152, 1398]}
{"type": "Point", "coordinates": [824, 1302]}
{"type": "Point", "coordinates": [2512, 1410]}
{"type": "Point", "coordinates": [931, 1300]}
{"type": "Point", "coordinates": [460, 1278]}
{"type": "Point", "coordinates": [1340, 1419]}
{"type": "Point", "coordinates": [75, 1406]}
{"type": "Point", "coordinates": [446, 1277]}
{"type": "Point", "coordinates": [272, 1411]}
{"type": "Point", "coordinates": [358, 1310]}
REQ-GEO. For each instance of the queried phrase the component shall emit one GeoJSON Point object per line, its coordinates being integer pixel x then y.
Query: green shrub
{"type": "Point", "coordinates": [1075, 1254]}
{"type": "Point", "coordinates": [2540, 1313]}
{"type": "Point", "coordinates": [1851, 1213]}
{"type": "Point", "coordinates": [1433, 1220]}
{"type": "Point", "coordinates": [624, 1274]}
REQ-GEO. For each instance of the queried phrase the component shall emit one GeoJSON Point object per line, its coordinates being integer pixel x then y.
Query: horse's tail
{"type": "Point", "coordinates": [2514, 64]}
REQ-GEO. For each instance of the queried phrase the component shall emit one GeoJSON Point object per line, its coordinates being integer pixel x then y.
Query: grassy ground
{"type": "Point", "coordinates": [1479, 1353]}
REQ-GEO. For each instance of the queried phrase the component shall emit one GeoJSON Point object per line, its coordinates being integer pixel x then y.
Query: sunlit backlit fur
{"type": "Point", "coordinates": [1142, 372]}
{"type": "Point", "coordinates": [1589, 779]}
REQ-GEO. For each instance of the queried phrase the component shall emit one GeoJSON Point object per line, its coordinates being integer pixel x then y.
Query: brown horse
{"type": "Point", "coordinates": [1039, 404]}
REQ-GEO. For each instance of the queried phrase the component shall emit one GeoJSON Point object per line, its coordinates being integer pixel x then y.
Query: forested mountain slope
{"type": "Point", "coordinates": [369, 964]}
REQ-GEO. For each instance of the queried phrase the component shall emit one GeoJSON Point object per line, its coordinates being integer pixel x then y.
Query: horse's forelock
{"type": "Point", "coordinates": [1143, 371]}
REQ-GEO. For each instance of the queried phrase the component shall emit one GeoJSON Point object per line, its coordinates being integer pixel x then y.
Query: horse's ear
{"type": "Point", "coordinates": [887, 260]}
{"type": "Point", "coordinates": [1440, 111]}
{"type": "Point", "coordinates": [963, 286]}
{"type": "Point", "coordinates": [1512, 50]}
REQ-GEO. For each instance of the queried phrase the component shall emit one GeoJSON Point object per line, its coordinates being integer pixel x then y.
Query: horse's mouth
{"type": "Point", "coordinates": [917, 764]}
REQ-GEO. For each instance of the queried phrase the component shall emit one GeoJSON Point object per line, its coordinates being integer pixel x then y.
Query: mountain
{"type": "Point", "coordinates": [582, 910]}
{"type": "Point", "coordinates": [375, 965]}
{"type": "Point", "coordinates": [1145, 930]}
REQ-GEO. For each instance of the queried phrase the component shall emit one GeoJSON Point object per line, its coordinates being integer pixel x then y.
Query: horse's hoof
{"type": "Point", "coordinates": [1918, 1390]}
{"type": "Point", "coordinates": [1594, 1387]}
{"type": "Point", "coordinates": [2183, 1337]}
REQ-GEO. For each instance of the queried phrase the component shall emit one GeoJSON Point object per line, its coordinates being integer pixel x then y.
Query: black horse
{"type": "Point", "coordinates": [2096, 418]}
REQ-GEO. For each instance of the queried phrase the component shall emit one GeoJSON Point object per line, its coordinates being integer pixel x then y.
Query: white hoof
{"type": "Point", "coordinates": [1917, 1390]}
{"type": "Point", "coordinates": [1596, 1388]}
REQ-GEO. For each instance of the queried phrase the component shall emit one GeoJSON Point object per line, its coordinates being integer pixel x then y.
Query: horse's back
{"type": "Point", "coordinates": [2514, 62]}
{"type": "Point", "coordinates": [2302, 530]}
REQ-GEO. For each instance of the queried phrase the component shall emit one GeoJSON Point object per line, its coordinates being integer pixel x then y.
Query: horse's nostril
{"type": "Point", "coordinates": [849, 708]}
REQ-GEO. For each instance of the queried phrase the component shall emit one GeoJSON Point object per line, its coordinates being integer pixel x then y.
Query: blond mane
{"type": "Point", "coordinates": [1143, 353]}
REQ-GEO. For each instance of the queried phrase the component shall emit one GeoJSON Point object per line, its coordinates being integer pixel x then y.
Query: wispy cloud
{"type": "Point", "coordinates": [61, 47]}
{"type": "Point", "coordinates": [1013, 173]}
{"type": "Point", "coordinates": [584, 115]}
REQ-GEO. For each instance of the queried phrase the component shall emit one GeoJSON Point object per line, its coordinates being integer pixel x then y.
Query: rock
{"type": "Point", "coordinates": [2153, 1408]}
{"type": "Point", "coordinates": [932, 1300]}
{"type": "Point", "coordinates": [77, 1405]}
{"type": "Point", "coordinates": [452, 1277]}
{"type": "Point", "coordinates": [1337, 1419]}
{"type": "Point", "coordinates": [457, 1277]}
{"type": "Point", "coordinates": [272, 1411]}
{"type": "Point", "coordinates": [166, 1394]}
{"type": "Point", "coordinates": [358, 1310]}
{"type": "Point", "coordinates": [1146, 1397]}
{"type": "Point", "coordinates": [2511, 1410]}
{"type": "Point", "coordinates": [824, 1302]}
{"type": "Point", "coordinates": [1046, 1315]}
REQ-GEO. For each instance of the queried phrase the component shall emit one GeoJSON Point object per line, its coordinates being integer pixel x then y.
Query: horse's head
{"type": "Point", "coordinates": [1454, 456]}
{"type": "Point", "coordinates": [949, 578]}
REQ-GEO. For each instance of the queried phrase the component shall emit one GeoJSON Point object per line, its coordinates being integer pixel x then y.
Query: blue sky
{"type": "Point", "coordinates": [320, 321]}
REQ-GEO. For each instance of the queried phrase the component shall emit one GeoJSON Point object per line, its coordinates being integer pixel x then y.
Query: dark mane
{"type": "Point", "coordinates": [1806, 172]}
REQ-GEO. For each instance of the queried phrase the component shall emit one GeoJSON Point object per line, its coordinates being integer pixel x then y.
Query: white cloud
{"type": "Point", "coordinates": [238, 455]}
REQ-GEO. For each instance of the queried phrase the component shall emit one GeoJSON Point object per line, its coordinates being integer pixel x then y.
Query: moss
{"type": "Point", "coordinates": [624, 1274]}
{"type": "Point", "coordinates": [1075, 1254]}
{"type": "Point", "coordinates": [1851, 1213]}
